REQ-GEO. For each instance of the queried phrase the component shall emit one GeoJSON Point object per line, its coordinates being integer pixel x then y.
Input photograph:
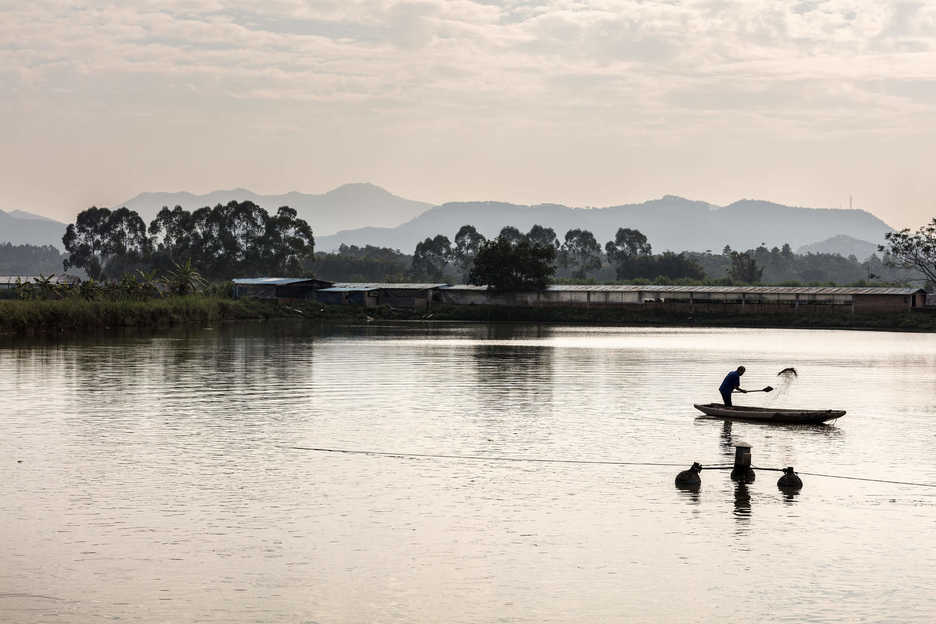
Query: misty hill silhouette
{"type": "Point", "coordinates": [24, 228]}
{"type": "Point", "coordinates": [363, 214]}
{"type": "Point", "coordinates": [348, 206]}
{"type": "Point", "coordinates": [671, 223]}
{"type": "Point", "coordinates": [844, 246]}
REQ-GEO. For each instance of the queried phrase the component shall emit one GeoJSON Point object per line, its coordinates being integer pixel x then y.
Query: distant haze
{"type": "Point", "coordinates": [348, 206]}
{"type": "Point", "coordinates": [844, 246]}
{"type": "Point", "coordinates": [586, 103]}
{"type": "Point", "coordinates": [671, 222]}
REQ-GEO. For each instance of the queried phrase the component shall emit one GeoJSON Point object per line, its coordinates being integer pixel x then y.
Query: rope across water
{"type": "Point", "coordinates": [597, 462]}
{"type": "Point", "coordinates": [480, 457]}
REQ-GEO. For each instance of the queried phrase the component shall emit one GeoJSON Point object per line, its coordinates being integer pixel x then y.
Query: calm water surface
{"type": "Point", "coordinates": [151, 478]}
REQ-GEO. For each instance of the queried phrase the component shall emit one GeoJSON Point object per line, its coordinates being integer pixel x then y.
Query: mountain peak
{"type": "Point", "coordinates": [22, 214]}
{"type": "Point", "coordinates": [347, 206]}
{"type": "Point", "coordinates": [670, 223]}
{"type": "Point", "coordinates": [359, 189]}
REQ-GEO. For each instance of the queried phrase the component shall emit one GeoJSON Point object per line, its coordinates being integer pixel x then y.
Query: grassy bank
{"type": "Point", "coordinates": [70, 315]}
{"type": "Point", "coordinates": [78, 315]}
{"type": "Point", "coordinates": [905, 321]}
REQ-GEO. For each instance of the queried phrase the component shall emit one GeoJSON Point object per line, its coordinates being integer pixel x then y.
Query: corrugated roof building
{"type": "Point", "coordinates": [9, 282]}
{"type": "Point", "coordinates": [278, 287]}
{"type": "Point", "coordinates": [739, 298]}
{"type": "Point", "coordinates": [418, 296]}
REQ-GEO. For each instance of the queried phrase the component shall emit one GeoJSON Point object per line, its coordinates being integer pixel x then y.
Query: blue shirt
{"type": "Point", "coordinates": [732, 381]}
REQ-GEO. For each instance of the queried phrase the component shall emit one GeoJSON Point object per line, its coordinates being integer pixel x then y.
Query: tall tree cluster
{"type": "Point", "coordinates": [438, 258]}
{"type": "Point", "coordinates": [632, 257]}
{"type": "Point", "coordinates": [629, 256]}
{"type": "Point", "coordinates": [513, 264]}
{"type": "Point", "coordinates": [361, 264]}
{"type": "Point", "coordinates": [223, 242]}
{"type": "Point", "coordinates": [534, 257]}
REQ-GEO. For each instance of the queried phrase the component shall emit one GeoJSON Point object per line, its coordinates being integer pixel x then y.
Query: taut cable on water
{"type": "Point", "coordinates": [594, 462]}
{"type": "Point", "coordinates": [831, 476]}
{"type": "Point", "coordinates": [478, 457]}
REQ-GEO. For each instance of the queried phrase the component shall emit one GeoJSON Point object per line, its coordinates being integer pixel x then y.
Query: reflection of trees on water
{"type": "Point", "coordinates": [510, 373]}
{"type": "Point", "coordinates": [184, 379]}
{"type": "Point", "coordinates": [514, 390]}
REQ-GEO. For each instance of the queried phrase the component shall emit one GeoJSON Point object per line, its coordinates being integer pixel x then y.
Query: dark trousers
{"type": "Point", "coordinates": [726, 397]}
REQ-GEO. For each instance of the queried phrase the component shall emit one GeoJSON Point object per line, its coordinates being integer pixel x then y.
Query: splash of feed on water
{"type": "Point", "coordinates": [782, 389]}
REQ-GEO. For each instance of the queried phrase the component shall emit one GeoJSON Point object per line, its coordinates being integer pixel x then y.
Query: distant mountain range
{"type": "Point", "coordinates": [348, 206]}
{"type": "Point", "coordinates": [362, 214]}
{"type": "Point", "coordinates": [670, 223]}
{"type": "Point", "coordinates": [844, 246]}
{"type": "Point", "coordinates": [24, 228]}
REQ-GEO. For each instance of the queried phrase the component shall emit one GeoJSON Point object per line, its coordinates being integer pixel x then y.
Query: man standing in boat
{"type": "Point", "coordinates": [732, 383]}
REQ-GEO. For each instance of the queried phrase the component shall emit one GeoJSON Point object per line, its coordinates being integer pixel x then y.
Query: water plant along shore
{"type": "Point", "coordinates": [81, 316]}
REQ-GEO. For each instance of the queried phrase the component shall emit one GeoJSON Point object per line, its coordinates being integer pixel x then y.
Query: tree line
{"type": "Point", "coordinates": [515, 260]}
{"type": "Point", "coordinates": [579, 257]}
{"type": "Point", "coordinates": [241, 239]}
{"type": "Point", "coordinates": [222, 242]}
{"type": "Point", "coordinates": [29, 259]}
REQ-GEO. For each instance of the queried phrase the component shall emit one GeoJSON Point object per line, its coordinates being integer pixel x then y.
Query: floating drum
{"type": "Point", "coordinates": [689, 478]}
{"type": "Point", "coordinates": [790, 480]}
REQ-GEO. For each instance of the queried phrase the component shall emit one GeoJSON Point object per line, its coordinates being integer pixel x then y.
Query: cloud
{"type": "Point", "coordinates": [660, 72]}
{"type": "Point", "coordinates": [461, 49]}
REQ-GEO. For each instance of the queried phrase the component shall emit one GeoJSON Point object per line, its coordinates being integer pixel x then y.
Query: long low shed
{"type": "Point", "coordinates": [278, 287]}
{"type": "Point", "coordinates": [744, 298]}
{"type": "Point", "coordinates": [416, 296]}
{"type": "Point", "coordinates": [10, 282]}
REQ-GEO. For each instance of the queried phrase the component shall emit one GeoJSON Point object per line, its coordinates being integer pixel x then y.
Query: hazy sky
{"type": "Point", "coordinates": [573, 101]}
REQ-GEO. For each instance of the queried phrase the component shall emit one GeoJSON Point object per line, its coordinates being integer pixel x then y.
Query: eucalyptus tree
{"type": "Point", "coordinates": [173, 233]}
{"type": "Point", "coordinates": [100, 238]}
{"type": "Point", "coordinates": [503, 264]}
{"type": "Point", "coordinates": [467, 243]}
{"type": "Point", "coordinates": [431, 258]}
{"type": "Point", "coordinates": [543, 236]}
{"type": "Point", "coordinates": [627, 252]}
{"type": "Point", "coordinates": [287, 243]}
{"type": "Point", "coordinates": [580, 253]}
{"type": "Point", "coordinates": [511, 234]}
{"type": "Point", "coordinates": [744, 268]}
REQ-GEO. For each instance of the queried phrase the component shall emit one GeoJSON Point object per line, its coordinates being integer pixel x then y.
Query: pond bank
{"type": "Point", "coordinates": [919, 320]}
{"type": "Point", "coordinates": [80, 316]}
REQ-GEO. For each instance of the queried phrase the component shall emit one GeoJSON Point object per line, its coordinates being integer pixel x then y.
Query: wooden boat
{"type": "Point", "coordinates": [769, 414]}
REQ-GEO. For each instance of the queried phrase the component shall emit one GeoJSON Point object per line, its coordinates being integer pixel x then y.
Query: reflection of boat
{"type": "Point", "coordinates": [769, 414]}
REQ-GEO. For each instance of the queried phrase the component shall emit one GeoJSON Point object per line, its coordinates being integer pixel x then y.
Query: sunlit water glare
{"type": "Point", "coordinates": [158, 482]}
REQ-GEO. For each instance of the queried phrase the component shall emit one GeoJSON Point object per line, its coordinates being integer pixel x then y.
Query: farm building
{"type": "Point", "coordinates": [691, 298]}
{"type": "Point", "coordinates": [344, 294]}
{"type": "Point", "coordinates": [416, 296]}
{"type": "Point", "coordinates": [278, 287]}
{"type": "Point", "coordinates": [701, 298]}
{"type": "Point", "coordinates": [9, 282]}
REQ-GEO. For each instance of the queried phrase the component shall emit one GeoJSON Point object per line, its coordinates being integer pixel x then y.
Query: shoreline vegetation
{"type": "Point", "coordinates": [38, 317]}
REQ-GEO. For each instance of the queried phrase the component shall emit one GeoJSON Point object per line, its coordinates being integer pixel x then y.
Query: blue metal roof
{"type": "Point", "coordinates": [385, 286]}
{"type": "Point", "coordinates": [348, 289]}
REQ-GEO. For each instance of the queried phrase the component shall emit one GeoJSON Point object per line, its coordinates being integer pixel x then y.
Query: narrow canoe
{"type": "Point", "coordinates": [769, 414]}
